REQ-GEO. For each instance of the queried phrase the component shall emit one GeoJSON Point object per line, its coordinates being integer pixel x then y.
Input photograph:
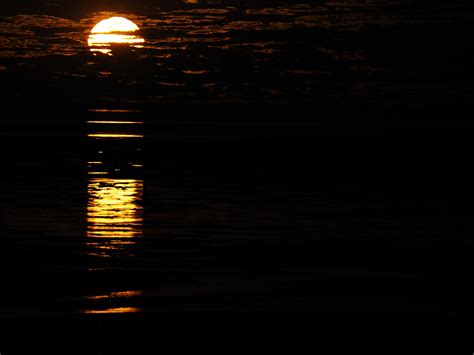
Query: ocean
{"type": "Point", "coordinates": [245, 157]}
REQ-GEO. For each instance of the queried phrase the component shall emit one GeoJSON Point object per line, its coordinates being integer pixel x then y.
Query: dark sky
{"type": "Point", "coordinates": [382, 53]}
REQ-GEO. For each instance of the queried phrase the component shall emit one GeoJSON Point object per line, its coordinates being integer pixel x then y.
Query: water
{"type": "Point", "coordinates": [118, 200]}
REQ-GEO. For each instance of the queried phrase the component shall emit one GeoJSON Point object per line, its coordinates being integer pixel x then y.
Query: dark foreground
{"type": "Point", "coordinates": [243, 218]}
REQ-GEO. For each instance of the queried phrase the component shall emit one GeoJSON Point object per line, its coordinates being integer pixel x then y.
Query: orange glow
{"type": "Point", "coordinates": [113, 111]}
{"type": "Point", "coordinates": [115, 295]}
{"type": "Point", "coordinates": [114, 30]}
{"type": "Point", "coordinates": [117, 310]}
{"type": "Point", "coordinates": [115, 24]}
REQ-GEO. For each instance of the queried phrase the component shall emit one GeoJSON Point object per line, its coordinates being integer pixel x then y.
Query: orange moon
{"type": "Point", "coordinates": [114, 30]}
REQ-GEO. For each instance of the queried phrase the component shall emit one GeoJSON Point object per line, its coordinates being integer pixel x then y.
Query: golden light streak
{"type": "Point", "coordinates": [114, 208]}
{"type": "Point", "coordinates": [98, 173]}
{"type": "Point", "coordinates": [114, 122]}
{"type": "Point", "coordinates": [115, 135]}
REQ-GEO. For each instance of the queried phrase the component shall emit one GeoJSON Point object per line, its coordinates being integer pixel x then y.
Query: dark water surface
{"type": "Point", "coordinates": [118, 201]}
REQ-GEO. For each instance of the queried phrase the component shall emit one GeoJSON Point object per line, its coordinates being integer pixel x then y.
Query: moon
{"type": "Point", "coordinates": [114, 31]}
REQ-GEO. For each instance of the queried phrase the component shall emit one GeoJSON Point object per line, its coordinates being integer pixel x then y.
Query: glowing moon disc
{"type": "Point", "coordinates": [114, 31]}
